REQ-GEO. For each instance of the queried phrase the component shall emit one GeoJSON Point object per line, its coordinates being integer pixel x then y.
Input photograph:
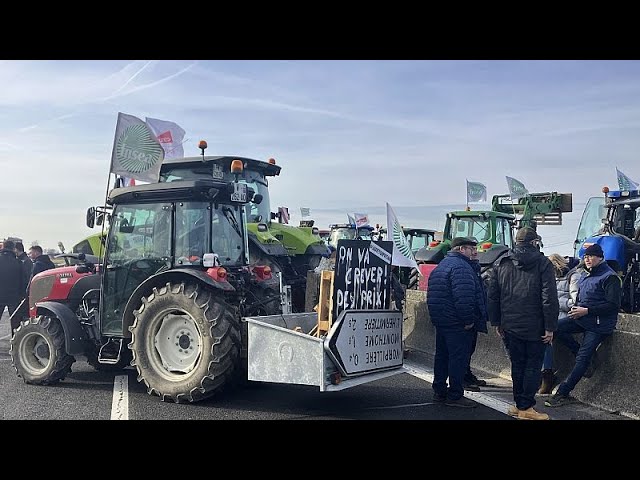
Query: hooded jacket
{"type": "Point", "coordinates": [522, 294]}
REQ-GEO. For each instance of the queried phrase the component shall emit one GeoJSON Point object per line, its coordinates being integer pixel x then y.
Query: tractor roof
{"type": "Point", "coordinates": [482, 213]}
{"type": "Point", "coordinates": [203, 189]}
{"type": "Point", "coordinates": [266, 168]}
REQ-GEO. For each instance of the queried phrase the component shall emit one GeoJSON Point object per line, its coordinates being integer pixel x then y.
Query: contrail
{"type": "Point", "coordinates": [140, 70]}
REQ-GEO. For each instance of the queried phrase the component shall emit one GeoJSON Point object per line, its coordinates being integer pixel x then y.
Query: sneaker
{"type": "Point", "coordinates": [470, 387]}
{"type": "Point", "coordinates": [473, 380]}
{"type": "Point", "coordinates": [439, 398]}
{"type": "Point", "coordinates": [513, 411]}
{"type": "Point", "coordinates": [531, 414]}
{"type": "Point", "coordinates": [461, 402]}
{"type": "Point", "coordinates": [559, 400]}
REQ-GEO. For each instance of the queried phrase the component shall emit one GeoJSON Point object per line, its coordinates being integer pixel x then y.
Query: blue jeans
{"type": "Point", "coordinates": [453, 353]}
{"type": "Point", "coordinates": [583, 353]}
{"type": "Point", "coordinates": [526, 361]}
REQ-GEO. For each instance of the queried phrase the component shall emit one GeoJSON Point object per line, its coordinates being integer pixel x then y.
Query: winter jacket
{"type": "Point", "coordinates": [10, 278]}
{"type": "Point", "coordinates": [456, 296]}
{"type": "Point", "coordinates": [27, 267]}
{"type": "Point", "coordinates": [40, 264]}
{"type": "Point", "coordinates": [567, 287]}
{"type": "Point", "coordinates": [600, 290]}
{"type": "Point", "coordinates": [522, 294]}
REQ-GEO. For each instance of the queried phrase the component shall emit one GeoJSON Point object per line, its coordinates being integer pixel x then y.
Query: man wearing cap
{"type": "Point", "coordinates": [457, 307]}
{"type": "Point", "coordinates": [523, 305]}
{"type": "Point", "coordinates": [594, 314]}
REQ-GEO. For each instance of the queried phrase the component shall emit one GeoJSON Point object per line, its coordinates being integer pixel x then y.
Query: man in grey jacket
{"type": "Point", "coordinates": [523, 305]}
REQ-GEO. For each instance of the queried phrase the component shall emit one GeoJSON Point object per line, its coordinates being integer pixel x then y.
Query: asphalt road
{"type": "Point", "coordinates": [90, 395]}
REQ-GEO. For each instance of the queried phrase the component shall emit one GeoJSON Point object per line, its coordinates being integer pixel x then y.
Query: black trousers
{"type": "Point", "coordinates": [12, 308]}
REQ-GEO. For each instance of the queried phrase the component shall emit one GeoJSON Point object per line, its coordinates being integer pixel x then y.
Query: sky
{"type": "Point", "coordinates": [350, 135]}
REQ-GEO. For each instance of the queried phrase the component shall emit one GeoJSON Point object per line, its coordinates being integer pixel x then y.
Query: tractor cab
{"type": "Point", "coordinates": [349, 231]}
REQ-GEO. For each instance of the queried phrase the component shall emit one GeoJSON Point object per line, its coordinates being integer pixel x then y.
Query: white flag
{"type": "Point", "coordinates": [305, 211]}
{"type": "Point", "coordinates": [624, 182]}
{"type": "Point", "coordinates": [170, 135]}
{"type": "Point", "coordinates": [402, 254]}
{"type": "Point", "coordinates": [361, 219]}
{"type": "Point", "coordinates": [516, 188]}
{"type": "Point", "coordinates": [136, 150]}
{"type": "Point", "coordinates": [476, 192]}
{"type": "Point", "coordinates": [351, 220]}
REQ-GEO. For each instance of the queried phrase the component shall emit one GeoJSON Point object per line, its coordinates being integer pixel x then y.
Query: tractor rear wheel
{"type": "Point", "coordinates": [185, 341]}
{"type": "Point", "coordinates": [38, 351]}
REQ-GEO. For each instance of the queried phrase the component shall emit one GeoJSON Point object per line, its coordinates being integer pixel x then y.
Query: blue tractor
{"type": "Point", "coordinates": [613, 222]}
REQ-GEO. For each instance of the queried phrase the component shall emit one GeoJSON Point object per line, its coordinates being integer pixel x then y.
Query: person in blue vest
{"type": "Point", "coordinates": [457, 307]}
{"type": "Point", "coordinates": [595, 314]}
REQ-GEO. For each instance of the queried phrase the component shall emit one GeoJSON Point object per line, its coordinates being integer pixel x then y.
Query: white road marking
{"type": "Point", "coordinates": [120, 403]}
{"type": "Point", "coordinates": [7, 337]}
{"type": "Point", "coordinates": [479, 397]}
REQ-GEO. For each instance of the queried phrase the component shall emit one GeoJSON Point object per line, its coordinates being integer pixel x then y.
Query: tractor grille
{"type": "Point", "coordinates": [40, 288]}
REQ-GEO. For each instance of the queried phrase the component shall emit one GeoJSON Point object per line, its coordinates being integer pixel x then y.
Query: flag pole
{"type": "Point", "coordinates": [467, 194]}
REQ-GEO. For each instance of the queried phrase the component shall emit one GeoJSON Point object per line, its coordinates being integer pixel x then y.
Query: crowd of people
{"type": "Point", "coordinates": [531, 300]}
{"type": "Point", "coordinates": [16, 271]}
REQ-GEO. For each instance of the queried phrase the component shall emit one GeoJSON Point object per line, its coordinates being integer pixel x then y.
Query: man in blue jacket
{"type": "Point", "coordinates": [457, 307]}
{"type": "Point", "coordinates": [595, 314]}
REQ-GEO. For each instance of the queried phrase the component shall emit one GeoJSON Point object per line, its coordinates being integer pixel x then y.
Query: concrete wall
{"type": "Point", "coordinates": [615, 386]}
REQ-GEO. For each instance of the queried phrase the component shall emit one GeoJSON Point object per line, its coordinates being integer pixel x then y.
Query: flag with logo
{"type": "Point", "coordinates": [624, 182]}
{"type": "Point", "coordinates": [361, 219]}
{"type": "Point", "coordinates": [136, 151]}
{"type": "Point", "coordinates": [476, 192]}
{"type": "Point", "coordinates": [170, 135]}
{"type": "Point", "coordinates": [402, 254]}
{"type": "Point", "coordinates": [516, 188]}
{"type": "Point", "coordinates": [305, 211]}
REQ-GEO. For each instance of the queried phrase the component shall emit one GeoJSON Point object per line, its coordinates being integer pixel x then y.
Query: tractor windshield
{"type": "Point", "coordinates": [475, 227]}
{"type": "Point", "coordinates": [349, 233]}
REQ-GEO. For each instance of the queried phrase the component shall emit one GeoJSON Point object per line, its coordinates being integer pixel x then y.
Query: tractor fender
{"type": "Point", "coordinates": [176, 275]}
{"type": "Point", "coordinates": [76, 340]}
{"type": "Point", "coordinates": [272, 249]}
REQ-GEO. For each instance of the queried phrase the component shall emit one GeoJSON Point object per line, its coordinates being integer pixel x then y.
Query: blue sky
{"type": "Point", "coordinates": [350, 135]}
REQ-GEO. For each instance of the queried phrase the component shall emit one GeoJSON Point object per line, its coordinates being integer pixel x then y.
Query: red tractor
{"type": "Point", "coordinates": [172, 287]}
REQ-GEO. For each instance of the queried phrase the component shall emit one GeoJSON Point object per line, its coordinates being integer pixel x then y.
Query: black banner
{"type": "Point", "coordinates": [362, 278]}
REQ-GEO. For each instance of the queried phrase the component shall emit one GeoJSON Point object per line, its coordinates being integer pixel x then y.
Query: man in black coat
{"type": "Point", "coordinates": [27, 266]}
{"type": "Point", "coordinates": [41, 262]}
{"type": "Point", "coordinates": [523, 305]}
{"type": "Point", "coordinates": [10, 279]}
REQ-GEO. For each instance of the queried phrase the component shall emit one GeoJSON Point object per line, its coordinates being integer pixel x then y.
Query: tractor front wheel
{"type": "Point", "coordinates": [38, 351]}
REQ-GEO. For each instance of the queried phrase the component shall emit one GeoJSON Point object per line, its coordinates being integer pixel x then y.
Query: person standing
{"type": "Point", "coordinates": [457, 307]}
{"type": "Point", "coordinates": [595, 315]}
{"type": "Point", "coordinates": [41, 262]}
{"type": "Point", "coordinates": [10, 280]}
{"type": "Point", "coordinates": [567, 286]}
{"type": "Point", "coordinates": [523, 306]}
{"type": "Point", "coordinates": [26, 264]}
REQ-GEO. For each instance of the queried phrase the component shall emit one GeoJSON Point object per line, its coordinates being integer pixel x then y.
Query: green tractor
{"type": "Point", "coordinates": [494, 229]}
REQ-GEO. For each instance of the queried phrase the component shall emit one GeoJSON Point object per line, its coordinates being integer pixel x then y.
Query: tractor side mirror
{"type": "Point", "coordinates": [257, 198]}
{"type": "Point", "coordinates": [91, 216]}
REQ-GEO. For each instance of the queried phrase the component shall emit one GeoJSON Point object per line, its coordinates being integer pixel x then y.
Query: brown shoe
{"type": "Point", "coordinates": [531, 414]}
{"type": "Point", "coordinates": [513, 411]}
{"type": "Point", "coordinates": [546, 386]}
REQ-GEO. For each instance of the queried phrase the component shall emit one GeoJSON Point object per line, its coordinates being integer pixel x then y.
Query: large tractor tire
{"type": "Point", "coordinates": [38, 351]}
{"type": "Point", "coordinates": [185, 341]}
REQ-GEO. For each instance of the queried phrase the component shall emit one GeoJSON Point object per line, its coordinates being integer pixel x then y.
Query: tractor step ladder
{"type": "Point", "coordinates": [109, 353]}
{"type": "Point", "coordinates": [325, 303]}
